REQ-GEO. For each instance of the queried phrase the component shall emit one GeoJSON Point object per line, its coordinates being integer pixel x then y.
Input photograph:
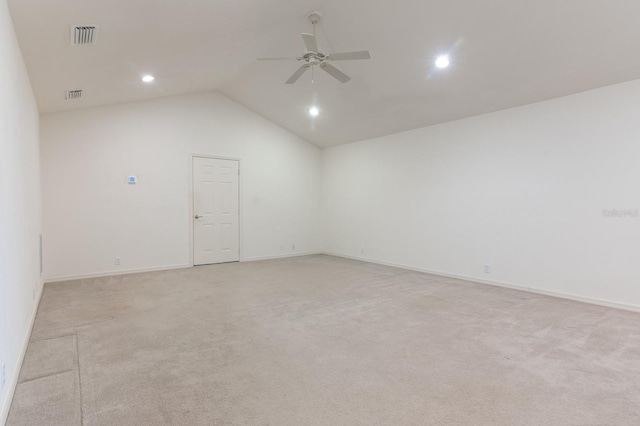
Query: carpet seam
{"type": "Point", "coordinates": [44, 376]}
{"type": "Point", "coordinates": [79, 379]}
{"type": "Point", "coordinates": [52, 338]}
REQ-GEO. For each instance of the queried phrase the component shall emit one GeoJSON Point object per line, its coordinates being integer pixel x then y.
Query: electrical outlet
{"type": "Point", "coordinates": [487, 268]}
{"type": "Point", "coordinates": [293, 246]}
{"type": "Point", "coordinates": [117, 261]}
{"type": "Point", "coordinates": [3, 377]}
{"type": "Point", "coordinates": [281, 248]}
{"type": "Point", "coordinates": [361, 250]}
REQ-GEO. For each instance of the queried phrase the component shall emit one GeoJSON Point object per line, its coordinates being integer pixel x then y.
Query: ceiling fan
{"type": "Point", "coordinates": [313, 56]}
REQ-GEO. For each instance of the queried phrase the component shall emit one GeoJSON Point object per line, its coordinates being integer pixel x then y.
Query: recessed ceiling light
{"type": "Point", "coordinates": [148, 78]}
{"type": "Point", "coordinates": [442, 61]}
{"type": "Point", "coordinates": [314, 111]}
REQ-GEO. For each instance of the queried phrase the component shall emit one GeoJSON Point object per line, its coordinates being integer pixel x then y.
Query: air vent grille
{"type": "Point", "coordinates": [73, 94]}
{"type": "Point", "coordinates": [82, 35]}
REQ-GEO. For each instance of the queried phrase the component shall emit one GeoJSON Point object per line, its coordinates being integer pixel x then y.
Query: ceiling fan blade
{"type": "Point", "coordinates": [296, 75]}
{"type": "Point", "coordinates": [310, 42]}
{"type": "Point", "coordinates": [347, 56]}
{"type": "Point", "coordinates": [277, 59]}
{"type": "Point", "coordinates": [335, 72]}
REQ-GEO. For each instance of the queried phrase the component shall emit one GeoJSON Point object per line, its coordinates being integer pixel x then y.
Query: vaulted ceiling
{"type": "Point", "coordinates": [504, 53]}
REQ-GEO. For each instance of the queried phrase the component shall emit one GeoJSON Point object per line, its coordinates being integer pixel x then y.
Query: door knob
{"type": "Point", "coordinates": [198, 217]}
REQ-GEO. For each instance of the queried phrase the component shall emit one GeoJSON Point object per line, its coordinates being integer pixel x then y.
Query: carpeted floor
{"type": "Point", "coordinates": [320, 340]}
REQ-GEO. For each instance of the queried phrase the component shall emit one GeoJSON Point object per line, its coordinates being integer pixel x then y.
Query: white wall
{"type": "Point", "coordinates": [522, 190]}
{"type": "Point", "coordinates": [20, 219]}
{"type": "Point", "coordinates": [91, 215]}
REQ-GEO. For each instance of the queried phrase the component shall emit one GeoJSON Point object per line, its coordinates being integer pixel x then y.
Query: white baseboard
{"type": "Point", "coordinates": [578, 298]}
{"type": "Point", "coordinates": [561, 295]}
{"type": "Point", "coordinates": [4, 413]}
{"type": "Point", "coordinates": [279, 256]}
{"type": "Point", "coordinates": [115, 272]}
{"type": "Point", "coordinates": [161, 268]}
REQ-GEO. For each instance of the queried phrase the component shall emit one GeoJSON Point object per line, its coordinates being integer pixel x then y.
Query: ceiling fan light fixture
{"type": "Point", "coordinates": [314, 111]}
{"type": "Point", "coordinates": [442, 61]}
{"type": "Point", "coordinates": [148, 78]}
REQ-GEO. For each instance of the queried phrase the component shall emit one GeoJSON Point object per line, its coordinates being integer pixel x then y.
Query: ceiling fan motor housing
{"type": "Point", "coordinates": [314, 57]}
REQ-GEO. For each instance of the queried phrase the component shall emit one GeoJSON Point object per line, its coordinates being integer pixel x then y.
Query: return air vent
{"type": "Point", "coordinates": [73, 94]}
{"type": "Point", "coordinates": [82, 35]}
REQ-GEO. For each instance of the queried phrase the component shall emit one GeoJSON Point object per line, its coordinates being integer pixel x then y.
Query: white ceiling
{"type": "Point", "coordinates": [504, 53]}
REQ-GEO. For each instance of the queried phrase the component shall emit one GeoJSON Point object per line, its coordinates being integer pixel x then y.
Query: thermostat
{"type": "Point", "coordinates": [132, 179]}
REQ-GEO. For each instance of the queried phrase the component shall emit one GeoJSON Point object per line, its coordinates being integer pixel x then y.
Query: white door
{"type": "Point", "coordinates": [215, 211]}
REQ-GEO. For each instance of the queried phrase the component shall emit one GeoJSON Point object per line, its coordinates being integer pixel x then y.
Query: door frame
{"type": "Point", "coordinates": [190, 201]}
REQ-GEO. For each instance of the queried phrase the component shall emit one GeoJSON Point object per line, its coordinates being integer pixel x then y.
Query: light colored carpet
{"type": "Point", "coordinates": [320, 340]}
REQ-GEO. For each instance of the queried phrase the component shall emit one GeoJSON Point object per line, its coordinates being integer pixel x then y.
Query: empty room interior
{"type": "Point", "coordinates": [307, 212]}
